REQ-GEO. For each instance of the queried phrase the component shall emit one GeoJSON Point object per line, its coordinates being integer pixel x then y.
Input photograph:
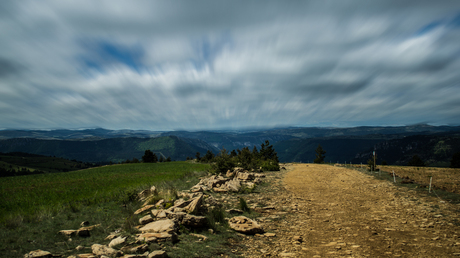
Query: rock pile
{"type": "Point", "coordinates": [232, 182]}
{"type": "Point", "coordinates": [162, 218]}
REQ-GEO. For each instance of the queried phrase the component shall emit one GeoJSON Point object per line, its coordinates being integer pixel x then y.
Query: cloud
{"type": "Point", "coordinates": [209, 65]}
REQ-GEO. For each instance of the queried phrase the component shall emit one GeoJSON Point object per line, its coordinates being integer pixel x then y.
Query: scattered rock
{"type": "Point", "coordinates": [203, 237]}
{"type": "Point", "coordinates": [117, 241]}
{"type": "Point", "coordinates": [159, 226]}
{"type": "Point", "coordinates": [105, 250]}
{"type": "Point", "coordinates": [245, 225]}
{"type": "Point", "coordinates": [245, 176]}
{"type": "Point", "coordinates": [194, 205]}
{"type": "Point", "coordinates": [158, 254]}
{"type": "Point", "coordinates": [147, 207]}
{"type": "Point", "coordinates": [145, 220]}
{"type": "Point", "coordinates": [157, 237]}
{"type": "Point", "coordinates": [137, 249]}
{"type": "Point", "coordinates": [38, 254]}
{"type": "Point", "coordinates": [298, 239]}
{"type": "Point", "coordinates": [194, 221]}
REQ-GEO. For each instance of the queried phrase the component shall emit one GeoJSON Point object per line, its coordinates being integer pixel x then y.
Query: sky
{"type": "Point", "coordinates": [202, 65]}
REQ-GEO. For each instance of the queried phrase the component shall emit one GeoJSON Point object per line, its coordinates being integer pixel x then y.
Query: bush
{"type": "Point", "coordinates": [416, 161]}
{"type": "Point", "coordinates": [270, 165]}
{"type": "Point", "coordinates": [223, 162]}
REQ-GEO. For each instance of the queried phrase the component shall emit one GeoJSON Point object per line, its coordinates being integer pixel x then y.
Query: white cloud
{"type": "Point", "coordinates": [207, 64]}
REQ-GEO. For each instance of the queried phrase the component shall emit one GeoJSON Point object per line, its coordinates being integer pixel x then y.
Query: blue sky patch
{"type": "Point", "coordinates": [105, 53]}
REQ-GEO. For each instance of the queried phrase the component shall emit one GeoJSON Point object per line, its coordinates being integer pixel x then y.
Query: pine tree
{"type": "Point", "coordinates": [319, 156]}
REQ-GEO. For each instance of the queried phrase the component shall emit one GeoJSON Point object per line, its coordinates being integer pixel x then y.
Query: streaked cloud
{"type": "Point", "coordinates": [210, 64]}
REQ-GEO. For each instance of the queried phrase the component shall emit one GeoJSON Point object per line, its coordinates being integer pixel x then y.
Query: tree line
{"type": "Point", "coordinates": [264, 158]}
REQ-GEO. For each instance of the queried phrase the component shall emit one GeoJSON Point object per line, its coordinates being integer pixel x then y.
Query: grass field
{"type": "Point", "coordinates": [442, 178]}
{"type": "Point", "coordinates": [445, 181]}
{"type": "Point", "coordinates": [38, 195]}
{"type": "Point", "coordinates": [34, 208]}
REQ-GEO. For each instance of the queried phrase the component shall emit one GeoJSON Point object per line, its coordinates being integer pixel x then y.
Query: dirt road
{"type": "Point", "coordinates": [327, 211]}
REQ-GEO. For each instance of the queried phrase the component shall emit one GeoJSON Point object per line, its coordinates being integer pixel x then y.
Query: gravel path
{"type": "Point", "coordinates": [326, 211]}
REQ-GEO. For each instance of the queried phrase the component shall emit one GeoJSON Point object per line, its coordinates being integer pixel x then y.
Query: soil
{"type": "Point", "coordinates": [327, 211]}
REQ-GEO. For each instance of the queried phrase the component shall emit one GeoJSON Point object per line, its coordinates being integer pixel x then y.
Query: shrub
{"type": "Point", "coordinates": [416, 161]}
{"type": "Point", "coordinates": [270, 165]}
{"type": "Point", "coordinates": [223, 162]}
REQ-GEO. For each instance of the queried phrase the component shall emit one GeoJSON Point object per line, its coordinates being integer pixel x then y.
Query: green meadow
{"type": "Point", "coordinates": [34, 208]}
{"type": "Point", "coordinates": [45, 194]}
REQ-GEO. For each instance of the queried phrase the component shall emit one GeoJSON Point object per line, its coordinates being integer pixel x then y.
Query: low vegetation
{"type": "Point", "coordinates": [34, 208]}
{"type": "Point", "coordinates": [264, 158]}
{"type": "Point", "coordinates": [445, 181]}
{"type": "Point", "coordinates": [37, 195]}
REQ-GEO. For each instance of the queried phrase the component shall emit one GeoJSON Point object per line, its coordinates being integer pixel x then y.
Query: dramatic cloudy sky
{"type": "Point", "coordinates": [165, 65]}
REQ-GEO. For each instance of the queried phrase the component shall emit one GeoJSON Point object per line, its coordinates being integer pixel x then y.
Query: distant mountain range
{"type": "Point", "coordinates": [292, 144]}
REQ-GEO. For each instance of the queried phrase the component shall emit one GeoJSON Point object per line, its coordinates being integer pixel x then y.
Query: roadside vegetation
{"type": "Point", "coordinates": [445, 182]}
{"type": "Point", "coordinates": [264, 159]}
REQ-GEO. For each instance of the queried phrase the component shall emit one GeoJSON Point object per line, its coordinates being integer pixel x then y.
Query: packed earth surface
{"type": "Point", "coordinates": [313, 210]}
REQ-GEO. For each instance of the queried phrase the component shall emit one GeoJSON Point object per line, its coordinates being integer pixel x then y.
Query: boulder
{"type": "Point", "coordinates": [38, 254]}
{"type": "Point", "coordinates": [194, 205]}
{"type": "Point", "coordinates": [80, 232]}
{"type": "Point", "coordinates": [159, 226]}
{"type": "Point", "coordinates": [105, 250]}
{"type": "Point", "coordinates": [157, 237]}
{"type": "Point", "coordinates": [147, 207]}
{"type": "Point", "coordinates": [145, 220]}
{"type": "Point", "coordinates": [197, 188]}
{"type": "Point", "coordinates": [194, 221]}
{"type": "Point", "coordinates": [245, 225]}
{"type": "Point", "coordinates": [160, 203]}
{"type": "Point", "coordinates": [213, 181]}
{"type": "Point", "coordinates": [202, 237]}
{"type": "Point", "coordinates": [117, 241]}
{"type": "Point", "coordinates": [136, 249]}
{"type": "Point", "coordinates": [86, 256]}
{"type": "Point", "coordinates": [176, 216]}
{"type": "Point", "coordinates": [158, 254]}
{"type": "Point", "coordinates": [233, 185]}
{"type": "Point", "coordinates": [230, 173]}
{"type": "Point", "coordinates": [245, 176]}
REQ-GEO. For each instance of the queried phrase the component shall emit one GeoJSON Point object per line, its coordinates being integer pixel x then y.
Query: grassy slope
{"type": "Point", "coordinates": [49, 193]}
{"type": "Point", "coordinates": [34, 208]}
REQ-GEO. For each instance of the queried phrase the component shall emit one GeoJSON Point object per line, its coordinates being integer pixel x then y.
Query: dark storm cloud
{"type": "Point", "coordinates": [220, 64]}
